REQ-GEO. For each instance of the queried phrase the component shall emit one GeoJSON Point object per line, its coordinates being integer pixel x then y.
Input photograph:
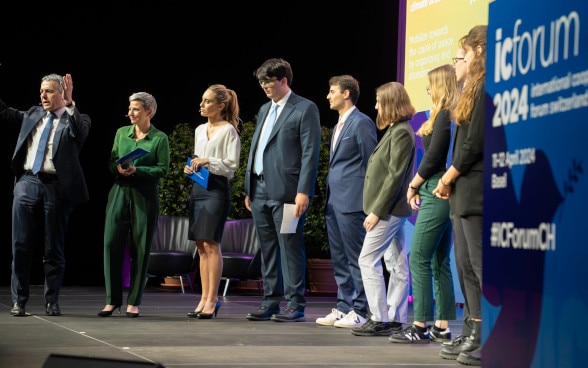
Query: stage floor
{"type": "Point", "coordinates": [164, 335]}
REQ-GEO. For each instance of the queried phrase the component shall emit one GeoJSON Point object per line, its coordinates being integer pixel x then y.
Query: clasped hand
{"type": "Point", "coordinates": [126, 169]}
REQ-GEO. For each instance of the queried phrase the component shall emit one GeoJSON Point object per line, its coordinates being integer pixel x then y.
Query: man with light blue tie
{"type": "Point", "coordinates": [49, 182]}
{"type": "Point", "coordinates": [354, 140]}
{"type": "Point", "coordinates": [281, 169]}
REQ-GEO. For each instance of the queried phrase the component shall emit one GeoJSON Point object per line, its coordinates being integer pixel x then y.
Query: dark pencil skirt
{"type": "Point", "coordinates": [209, 209]}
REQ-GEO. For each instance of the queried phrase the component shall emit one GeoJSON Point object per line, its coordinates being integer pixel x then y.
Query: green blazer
{"type": "Point", "coordinates": [389, 171]}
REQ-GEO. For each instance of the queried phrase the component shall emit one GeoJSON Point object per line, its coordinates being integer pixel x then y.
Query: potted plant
{"type": "Point", "coordinates": [315, 235]}
{"type": "Point", "coordinates": [320, 277]}
{"type": "Point", "coordinates": [237, 183]}
{"type": "Point", "coordinates": [174, 189]}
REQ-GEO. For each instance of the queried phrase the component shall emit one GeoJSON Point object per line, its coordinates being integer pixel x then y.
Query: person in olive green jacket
{"type": "Point", "coordinates": [389, 170]}
{"type": "Point", "coordinates": [133, 203]}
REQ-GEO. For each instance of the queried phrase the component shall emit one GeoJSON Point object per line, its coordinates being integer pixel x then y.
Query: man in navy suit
{"type": "Point", "coordinates": [45, 193]}
{"type": "Point", "coordinates": [282, 169]}
{"type": "Point", "coordinates": [354, 139]}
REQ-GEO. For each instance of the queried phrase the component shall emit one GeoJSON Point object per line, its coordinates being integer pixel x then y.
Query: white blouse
{"type": "Point", "coordinates": [223, 149]}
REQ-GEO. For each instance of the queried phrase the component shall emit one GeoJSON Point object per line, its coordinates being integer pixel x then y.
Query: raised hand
{"type": "Point", "coordinates": [67, 87]}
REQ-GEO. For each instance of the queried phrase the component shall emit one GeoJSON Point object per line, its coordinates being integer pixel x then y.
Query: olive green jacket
{"type": "Point", "coordinates": [389, 171]}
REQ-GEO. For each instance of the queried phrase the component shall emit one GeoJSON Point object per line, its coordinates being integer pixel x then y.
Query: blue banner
{"type": "Point", "coordinates": [535, 186]}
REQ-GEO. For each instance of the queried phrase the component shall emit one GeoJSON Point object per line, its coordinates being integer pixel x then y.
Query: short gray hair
{"type": "Point", "coordinates": [54, 78]}
{"type": "Point", "coordinates": [147, 100]}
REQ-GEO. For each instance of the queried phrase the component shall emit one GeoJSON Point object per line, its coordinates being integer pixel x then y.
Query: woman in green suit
{"type": "Point", "coordinates": [133, 203]}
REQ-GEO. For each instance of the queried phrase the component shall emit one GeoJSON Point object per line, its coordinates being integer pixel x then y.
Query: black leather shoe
{"type": "Point", "coordinates": [451, 349]}
{"type": "Point", "coordinates": [18, 309]}
{"type": "Point", "coordinates": [471, 358]}
{"type": "Point", "coordinates": [289, 315]}
{"type": "Point", "coordinates": [53, 309]}
{"type": "Point", "coordinates": [263, 314]}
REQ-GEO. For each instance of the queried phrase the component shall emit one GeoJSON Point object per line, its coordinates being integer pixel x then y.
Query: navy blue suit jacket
{"type": "Point", "coordinates": [70, 135]}
{"type": "Point", "coordinates": [348, 162]}
{"type": "Point", "coordinates": [291, 156]}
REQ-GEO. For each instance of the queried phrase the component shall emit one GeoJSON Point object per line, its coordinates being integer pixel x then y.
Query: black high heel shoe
{"type": "Point", "coordinates": [210, 315]}
{"type": "Point", "coordinates": [194, 314]}
{"type": "Point", "coordinates": [132, 314]}
{"type": "Point", "coordinates": [105, 313]}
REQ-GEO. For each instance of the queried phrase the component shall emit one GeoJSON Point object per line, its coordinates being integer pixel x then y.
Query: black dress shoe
{"type": "Point", "coordinates": [263, 314]}
{"type": "Point", "coordinates": [451, 349]}
{"type": "Point", "coordinates": [53, 309]}
{"type": "Point", "coordinates": [18, 309]}
{"type": "Point", "coordinates": [471, 357]}
{"type": "Point", "coordinates": [289, 315]}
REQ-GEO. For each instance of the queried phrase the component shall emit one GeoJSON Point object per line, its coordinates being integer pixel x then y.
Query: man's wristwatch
{"type": "Point", "coordinates": [71, 104]}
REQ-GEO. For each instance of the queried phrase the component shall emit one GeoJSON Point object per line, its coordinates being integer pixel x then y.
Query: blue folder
{"type": "Point", "coordinates": [131, 156]}
{"type": "Point", "coordinates": [200, 176]}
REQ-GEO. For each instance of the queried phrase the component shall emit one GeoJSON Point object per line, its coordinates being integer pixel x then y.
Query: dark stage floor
{"type": "Point", "coordinates": [164, 335]}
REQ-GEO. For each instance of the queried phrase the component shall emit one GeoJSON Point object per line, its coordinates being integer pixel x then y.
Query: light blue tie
{"type": "Point", "coordinates": [266, 130]}
{"type": "Point", "coordinates": [40, 156]}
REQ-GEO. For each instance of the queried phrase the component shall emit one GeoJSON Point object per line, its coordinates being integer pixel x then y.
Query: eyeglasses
{"type": "Point", "coordinates": [455, 60]}
{"type": "Point", "coordinates": [428, 88]}
{"type": "Point", "coordinates": [267, 82]}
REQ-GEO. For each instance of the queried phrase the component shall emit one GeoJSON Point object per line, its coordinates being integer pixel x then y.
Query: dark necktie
{"type": "Point", "coordinates": [40, 156]}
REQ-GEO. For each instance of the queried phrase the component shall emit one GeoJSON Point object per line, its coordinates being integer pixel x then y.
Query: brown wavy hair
{"type": "Point", "coordinates": [476, 40]}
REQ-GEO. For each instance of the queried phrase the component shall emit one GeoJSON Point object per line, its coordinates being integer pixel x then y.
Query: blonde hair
{"type": "Point", "coordinates": [393, 104]}
{"type": "Point", "coordinates": [227, 96]}
{"type": "Point", "coordinates": [476, 74]}
{"type": "Point", "coordinates": [444, 92]}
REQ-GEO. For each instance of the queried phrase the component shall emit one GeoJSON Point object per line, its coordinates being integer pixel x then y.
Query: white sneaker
{"type": "Point", "coordinates": [331, 318]}
{"type": "Point", "coordinates": [351, 320]}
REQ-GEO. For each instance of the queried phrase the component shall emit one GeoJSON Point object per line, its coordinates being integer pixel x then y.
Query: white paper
{"type": "Point", "coordinates": [289, 221]}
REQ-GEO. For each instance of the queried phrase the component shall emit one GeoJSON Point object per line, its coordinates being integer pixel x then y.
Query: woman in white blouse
{"type": "Point", "coordinates": [217, 148]}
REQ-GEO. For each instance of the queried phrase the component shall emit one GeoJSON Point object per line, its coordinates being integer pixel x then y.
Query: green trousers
{"type": "Point", "coordinates": [131, 215]}
{"type": "Point", "coordinates": [430, 254]}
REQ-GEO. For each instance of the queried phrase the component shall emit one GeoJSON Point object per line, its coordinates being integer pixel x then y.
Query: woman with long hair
{"type": "Point", "coordinates": [462, 185]}
{"type": "Point", "coordinates": [430, 252]}
{"type": "Point", "coordinates": [217, 147]}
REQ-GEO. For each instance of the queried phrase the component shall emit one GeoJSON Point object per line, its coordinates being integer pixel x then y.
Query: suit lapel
{"type": "Point", "coordinates": [61, 124]}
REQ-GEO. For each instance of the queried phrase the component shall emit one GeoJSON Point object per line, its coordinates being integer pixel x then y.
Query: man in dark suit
{"type": "Point", "coordinates": [354, 140]}
{"type": "Point", "coordinates": [49, 182]}
{"type": "Point", "coordinates": [282, 169]}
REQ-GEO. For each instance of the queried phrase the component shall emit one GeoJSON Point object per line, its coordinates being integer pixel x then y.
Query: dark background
{"type": "Point", "coordinates": [174, 50]}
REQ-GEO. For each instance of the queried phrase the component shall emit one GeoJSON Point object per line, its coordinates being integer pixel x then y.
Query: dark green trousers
{"type": "Point", "coordinates": [430, 254]}
{"type": "Point", "coordinates": [131, 215]}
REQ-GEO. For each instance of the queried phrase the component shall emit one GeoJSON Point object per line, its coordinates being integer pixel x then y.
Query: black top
{"type": "Point", "coordinates": [436, 146]}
